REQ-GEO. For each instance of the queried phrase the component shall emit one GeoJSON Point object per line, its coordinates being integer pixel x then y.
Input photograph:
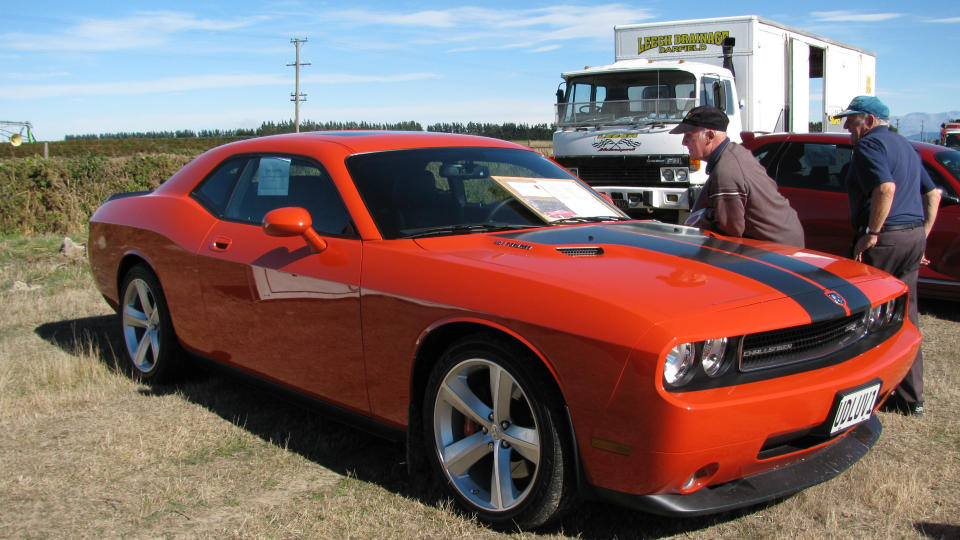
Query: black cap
{"type": "Point", "coordinates": [705, 116]}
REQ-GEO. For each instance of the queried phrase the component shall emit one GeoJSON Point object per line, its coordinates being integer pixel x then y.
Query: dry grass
{"type": "Point", "coordinates": [85, 452]}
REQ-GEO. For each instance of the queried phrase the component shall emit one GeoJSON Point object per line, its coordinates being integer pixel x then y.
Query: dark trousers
{"type": "Point", "coordinates": [899, 253]}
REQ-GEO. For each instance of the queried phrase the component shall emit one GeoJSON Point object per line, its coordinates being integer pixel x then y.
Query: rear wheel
{"type": "Point", "coordinates": [494, 432]}
{"type": "Point", "coordinates": [151, 345]}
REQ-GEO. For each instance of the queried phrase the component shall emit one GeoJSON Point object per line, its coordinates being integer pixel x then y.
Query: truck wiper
{"type": "Point", "coordinates": [446, 230]}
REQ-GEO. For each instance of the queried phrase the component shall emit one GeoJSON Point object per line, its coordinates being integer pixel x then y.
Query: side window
{"type": "Point", "coordinates": [939, 180]}
{"type": "Point", "coordinates": [270, 182]}
{"type": "Point", "coordinates": [765, 155]}
{"type": "Point", "coordinates": [816, 166]}
{"type": "Point", "coordinates": [214, 192]}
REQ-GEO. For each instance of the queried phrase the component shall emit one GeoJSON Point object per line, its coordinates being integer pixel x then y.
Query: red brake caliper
{"type": "Point", "coordinates": [469, 426]}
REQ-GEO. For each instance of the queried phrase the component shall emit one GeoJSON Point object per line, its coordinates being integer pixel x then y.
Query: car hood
{"type": "Point", "coordinates": [668, 270]}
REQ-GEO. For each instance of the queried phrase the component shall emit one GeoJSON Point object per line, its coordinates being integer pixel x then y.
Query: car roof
{"type": "Point", "coordinates": [334, 145]}
{"type": "Point", "coordinates": [835, 138]}
{"type": "Point", "coordinates": [369, 141]}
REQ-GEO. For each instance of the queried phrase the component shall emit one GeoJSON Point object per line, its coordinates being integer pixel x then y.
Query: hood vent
{"type": "Point", "coordinates": [581, 251]}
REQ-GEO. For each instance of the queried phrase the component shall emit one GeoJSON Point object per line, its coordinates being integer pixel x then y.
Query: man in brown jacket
{"type": "Point", "coordinates": [738, 199]}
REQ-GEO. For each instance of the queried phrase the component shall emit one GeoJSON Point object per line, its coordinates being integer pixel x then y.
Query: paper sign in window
{"type": "Point", "coordinates": [555, 198]}
{"type": "Point", "coordinates": [274, 176]}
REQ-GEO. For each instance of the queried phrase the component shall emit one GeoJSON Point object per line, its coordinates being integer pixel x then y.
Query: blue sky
{"type": "Point", "coordinates": [104, 67]}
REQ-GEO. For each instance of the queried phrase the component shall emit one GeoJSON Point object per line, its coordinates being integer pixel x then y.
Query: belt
{"type": "Point", "coordinates": [901, 226]}
{"type": "Point", "coordinates": [895, 227]}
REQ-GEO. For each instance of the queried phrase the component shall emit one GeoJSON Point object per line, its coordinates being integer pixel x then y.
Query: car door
{"type": "Point", "coordinates": [274, 307]}
{"type": "Point", "coordinates": [943, 243]}
{"type": "Point", "coordinates": [812, 176]}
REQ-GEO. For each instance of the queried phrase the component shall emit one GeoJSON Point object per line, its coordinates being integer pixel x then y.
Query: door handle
{"type": "Point", "coordinates": [221, 243]}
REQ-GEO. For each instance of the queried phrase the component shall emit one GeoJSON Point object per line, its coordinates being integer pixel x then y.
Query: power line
{"type": "Point", "coordinates": [297, 97]}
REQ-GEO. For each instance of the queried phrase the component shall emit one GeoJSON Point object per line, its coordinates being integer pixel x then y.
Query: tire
{"type": "Point", "coordinates": [506, 459]}
{"type": "Point", "coordinates": [150, 343]}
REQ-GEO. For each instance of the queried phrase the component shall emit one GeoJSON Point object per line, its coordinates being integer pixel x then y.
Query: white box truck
{"type": "Point", "coordinates": [612, 121]}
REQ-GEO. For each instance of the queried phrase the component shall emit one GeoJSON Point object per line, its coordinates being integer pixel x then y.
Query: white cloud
{"type": "Point", "coordinates": [144, 29]}
{"type": "Point", "coordinates": [489, 29]}
{"type": "Point", "coordinates": [853, 16]}
{"type": "Point", "coordinates": [182, 84]}
{"type": "Point", "coordinates": [545, 48]}
{"type": "Point", "coordinates": [343, 78]}
{"type": "Point", "coordinates": [33, 76]}
{"type": "Point", "coordinates": [950, 20]}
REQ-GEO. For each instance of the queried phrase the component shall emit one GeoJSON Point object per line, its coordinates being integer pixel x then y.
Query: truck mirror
{"type": "Point", "coordinates": [720, 95]}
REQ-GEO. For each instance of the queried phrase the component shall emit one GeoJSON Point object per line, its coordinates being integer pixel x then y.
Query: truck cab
{"type": "Point", "coordinates": [613, 125]}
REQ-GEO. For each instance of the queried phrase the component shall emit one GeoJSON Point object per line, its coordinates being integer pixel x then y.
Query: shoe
{"type": "Point", "coordinates": [916, 409]}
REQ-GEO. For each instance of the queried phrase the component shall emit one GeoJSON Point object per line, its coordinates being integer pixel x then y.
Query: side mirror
{"type": "Point", "coordinates": [293, 221]}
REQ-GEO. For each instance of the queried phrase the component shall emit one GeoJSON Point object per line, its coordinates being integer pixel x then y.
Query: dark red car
{"type": "Point", "coordinates": [810, 169]}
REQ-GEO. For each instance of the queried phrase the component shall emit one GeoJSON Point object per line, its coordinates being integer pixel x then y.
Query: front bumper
{"type": "Point", "coordinates": [818, 467]}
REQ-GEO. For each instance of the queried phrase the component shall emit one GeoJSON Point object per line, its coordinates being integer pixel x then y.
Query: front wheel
{"type": "Point", "coordinates": [494, 432]}
{"type": "Point", "coordinates": [151, 344]}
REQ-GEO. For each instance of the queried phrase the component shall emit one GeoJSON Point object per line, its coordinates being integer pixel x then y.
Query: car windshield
{"type": "Point", "coordinates": [655, 96]}
{"type": "Point", "coordinates": [441, 191]}
{"type": "Point", "coordinates": [950, 160]}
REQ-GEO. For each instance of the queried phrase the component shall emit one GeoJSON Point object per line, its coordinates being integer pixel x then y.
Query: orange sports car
{"type": "Point", "coordinates": [529, 342]}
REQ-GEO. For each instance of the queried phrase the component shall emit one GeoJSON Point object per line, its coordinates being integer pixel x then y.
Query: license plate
{"type": "Point", "coordinates": [854, 406]}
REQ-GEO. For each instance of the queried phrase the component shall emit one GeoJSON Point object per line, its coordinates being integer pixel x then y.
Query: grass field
{"type": "Point", "coordinates": [86, 452]}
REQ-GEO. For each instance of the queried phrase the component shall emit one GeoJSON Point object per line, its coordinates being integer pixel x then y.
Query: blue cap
{"type": "Point", "coordinates": [866, 105]}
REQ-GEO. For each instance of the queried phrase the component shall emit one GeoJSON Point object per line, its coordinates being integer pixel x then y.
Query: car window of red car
{"type": "Point", "coordinates": [816, 166]}
{"type": "Point", "coordinates": [950, 160]}
{"type": "Point", "coordinates": [215, 190]}
{"type": "Point", "coordinates": [766, 154]}
{"type": "Point", "coordinates": [245, 189]}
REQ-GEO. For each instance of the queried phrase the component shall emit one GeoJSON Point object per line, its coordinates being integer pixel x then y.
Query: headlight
{"type": "Point", "coordinates": [714, 353]}
{"type": "Point", "coordinates": [889, 311]}
{"type": "Point", "coordinates": [676, 369]}
{"type": "Point", "coordinates": [682, 175]}
{"type": "Point", "coordinates": [874, 318]}
{"type": "Point", "coordinates": [667, 175]}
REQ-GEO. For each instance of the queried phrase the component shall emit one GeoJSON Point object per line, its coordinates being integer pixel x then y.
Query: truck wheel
{"type": "Point", "coordinates": [494, 434]}
{"type": "Point", "coordinates": [151, 345]}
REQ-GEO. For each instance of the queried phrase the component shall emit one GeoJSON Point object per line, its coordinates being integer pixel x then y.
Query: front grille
{"type": "Point", "coordinates": [630, 171]}
{"type": "Point", "coordinates": [800, 343]}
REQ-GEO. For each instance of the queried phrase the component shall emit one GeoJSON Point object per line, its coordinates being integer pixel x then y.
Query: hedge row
{"type": "Point", "coordinates": [58, 194]}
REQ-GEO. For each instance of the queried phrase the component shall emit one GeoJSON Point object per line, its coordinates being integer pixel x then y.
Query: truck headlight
{"type": "Point", "coordinates": [682, 175]}
{"type": "Point", "coordinates": [667, 175]}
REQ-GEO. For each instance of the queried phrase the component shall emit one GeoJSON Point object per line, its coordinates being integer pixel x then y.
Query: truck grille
{"type": "Point", "coordinates": [800, 343]}
{"type": "Point", "coordinates": [630, 171]}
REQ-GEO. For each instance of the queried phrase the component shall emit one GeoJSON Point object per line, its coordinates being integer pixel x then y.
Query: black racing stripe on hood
{"type": "Point", "coordinates": [854, 297]}
{"type": "Point", "coordinates": [731, 256]}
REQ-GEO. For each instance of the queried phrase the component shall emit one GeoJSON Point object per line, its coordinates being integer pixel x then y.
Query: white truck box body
{"type": "Point", "coordinates": [768, 56]}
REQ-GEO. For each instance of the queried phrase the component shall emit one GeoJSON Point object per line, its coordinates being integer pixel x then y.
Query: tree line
{"type": "Point", "coordinates": [507, 131]}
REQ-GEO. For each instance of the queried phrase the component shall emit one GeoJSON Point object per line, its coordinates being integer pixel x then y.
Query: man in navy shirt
{"type": "Point", "coordinates": [893, 204]}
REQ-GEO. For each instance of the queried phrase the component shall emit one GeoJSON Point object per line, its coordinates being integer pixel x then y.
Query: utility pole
{"type": "Point", "coordinates": [297, 97]}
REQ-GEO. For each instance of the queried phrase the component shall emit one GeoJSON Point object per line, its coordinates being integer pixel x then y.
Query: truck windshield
{"type": "Point", "coordinates": [656, 96]}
